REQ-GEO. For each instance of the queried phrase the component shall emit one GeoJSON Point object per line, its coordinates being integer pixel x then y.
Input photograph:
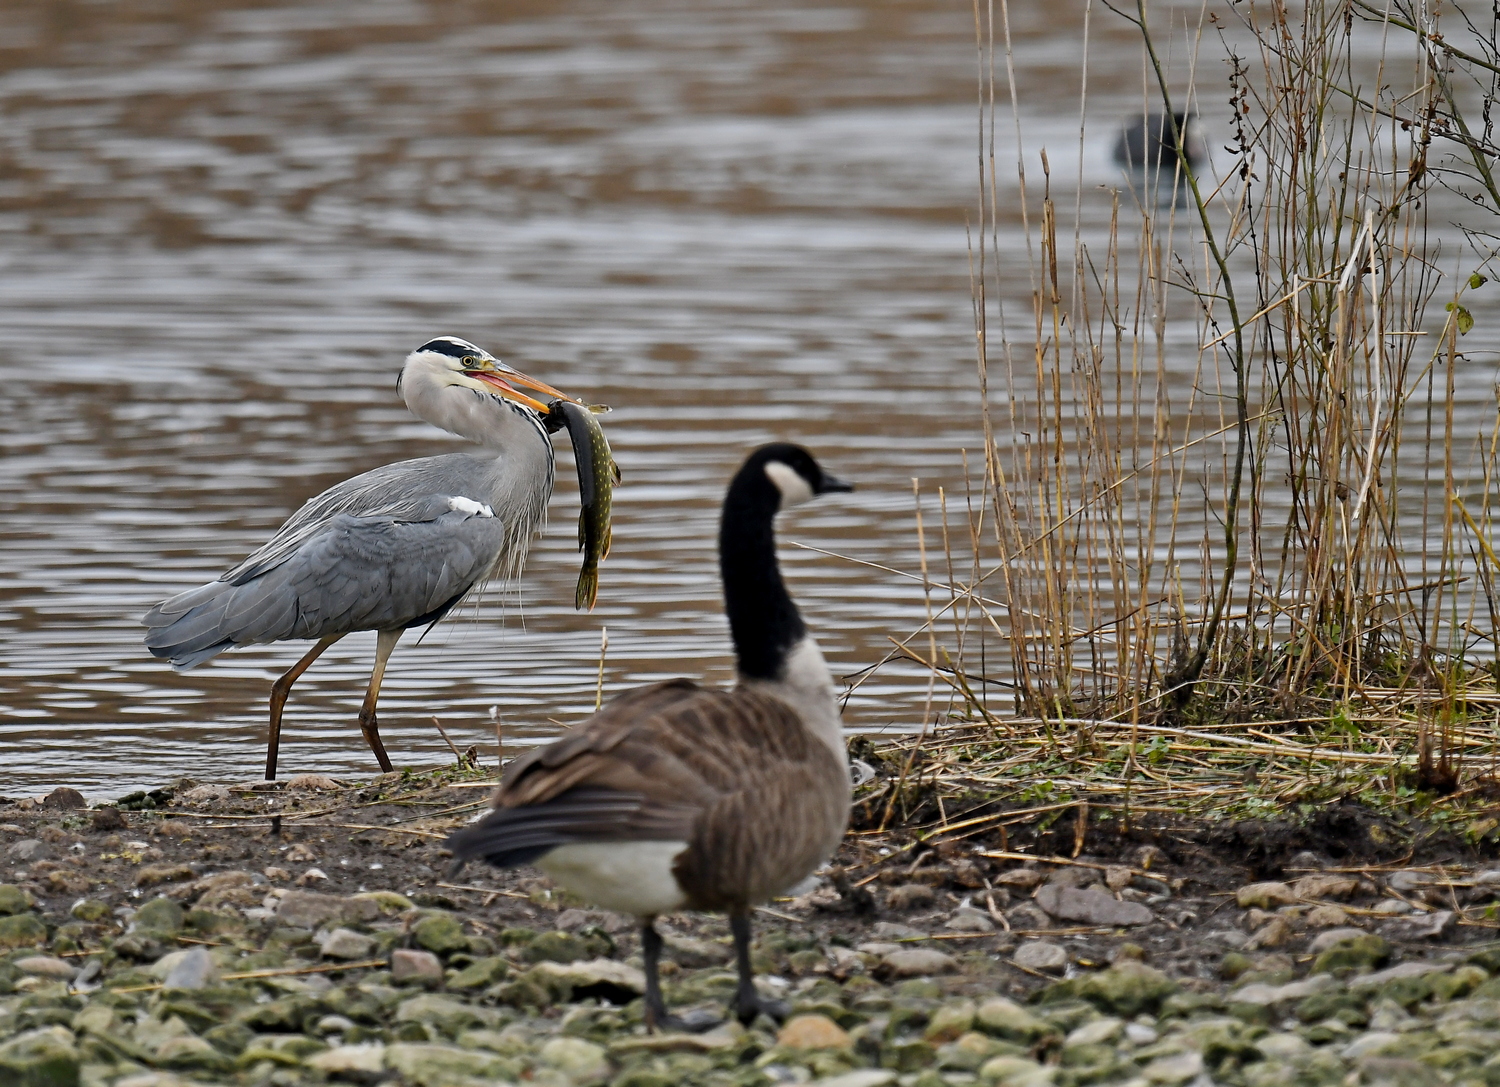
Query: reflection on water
{"type": "Point", "coordinates": [224, 225]}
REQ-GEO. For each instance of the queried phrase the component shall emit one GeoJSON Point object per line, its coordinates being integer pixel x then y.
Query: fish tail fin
{"type": "Point", "coordinates": [588, 589]}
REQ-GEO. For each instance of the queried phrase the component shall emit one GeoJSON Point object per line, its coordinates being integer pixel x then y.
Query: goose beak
{"type": "Point", "coordinates": [504, 380]}
{"type": "Point", "coordinates": [834, 485]}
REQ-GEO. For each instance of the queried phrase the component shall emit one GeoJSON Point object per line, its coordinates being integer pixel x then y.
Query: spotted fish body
{"type": "Point", "coordinates": [597, 475]}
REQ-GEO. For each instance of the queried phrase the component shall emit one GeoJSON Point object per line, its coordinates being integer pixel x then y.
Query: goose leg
{"type": "Point", "coordinates": [385, 642]}
{"type": "Point", "coordinates": [279, 692]}
{"type": "Point", "coordinates": [657, 1019]}
{"type": "Point", "coordinates": [747, 1002]}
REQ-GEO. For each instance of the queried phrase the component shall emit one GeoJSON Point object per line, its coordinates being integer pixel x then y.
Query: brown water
{"type": "Point", "coordinates": [223, 225]}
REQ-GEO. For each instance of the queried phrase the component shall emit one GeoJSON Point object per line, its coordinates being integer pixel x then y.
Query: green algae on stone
{"type": "Point", "coordinates": [440, 933]}
{"type": "Point", "coordinates": [14, 900]}
{"type": "Point", "coordinates": [22, 930]}
{"type": "Point", "coordinates": [1361, 952]}
{"type": "Point", "coordinates": [442, 1066]}
{"type": "Point", "coordinates": [40, 1058]}
{"type": "Point", "coordinates": [480, 974]}
{"type": "Point", "coordinates": [90, 910]}
{"type": "Point", "coordinates": [159, 916]}
{"type": "Point", "coordinates": [565, 947]}
{"type": "Point", "coordinates": [1126, 989]}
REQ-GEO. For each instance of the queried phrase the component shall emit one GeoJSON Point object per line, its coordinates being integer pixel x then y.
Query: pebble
{"type": "Point", "coordinates": [917, 962]}
{"type": "Point", "coordinates": [195, 970]}
{"type": "Point", "coordinates": [416, 966]}
{"type": "Point", "coordinates": [344, 943]}
{"type": "Point", "coordinates": [813, 1032]}
{"type": "Point", "coordinates": [46, 966]}
{"type": "Point", "coordinates": [968, 919]}
{"type": "Point", "coordinates": [1041, 955]}
{"type": "Point", "coordinates": [1265, 896]}
{"type": "Point", "coordinates": [1090, 906]}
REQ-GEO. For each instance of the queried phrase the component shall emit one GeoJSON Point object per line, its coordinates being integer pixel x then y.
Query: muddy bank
{"type": "Point", "coordinates": [307, 933]}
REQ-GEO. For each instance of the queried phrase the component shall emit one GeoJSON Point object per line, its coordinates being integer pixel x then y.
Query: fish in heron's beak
{"type": "Point", "coordinates": [503, 379]}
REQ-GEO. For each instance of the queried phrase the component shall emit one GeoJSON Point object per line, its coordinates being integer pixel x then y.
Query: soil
{"type": "Point", "coordinates": [342, 838]}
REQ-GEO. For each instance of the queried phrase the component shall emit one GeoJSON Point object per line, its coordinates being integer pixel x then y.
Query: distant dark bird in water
{"type": "Point", "coordinates": [1147, 142]}
{"type": "Point", "coordinates": [676, 796]}
{"type": "Point", "coordinates": [394, 548]}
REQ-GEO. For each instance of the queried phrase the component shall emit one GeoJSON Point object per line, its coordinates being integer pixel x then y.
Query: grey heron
{"type": "Point", "coordinates": [676, 796]}
{"type": "Point", "coordinates": [390, 549]}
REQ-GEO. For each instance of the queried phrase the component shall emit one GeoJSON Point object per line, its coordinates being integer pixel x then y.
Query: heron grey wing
{"type": "Point", "coordinates": [405, 489]}
{"type": "Point", "coordinates": [372, 573]}
{"type": "Point", "coordinates": [357, 573]}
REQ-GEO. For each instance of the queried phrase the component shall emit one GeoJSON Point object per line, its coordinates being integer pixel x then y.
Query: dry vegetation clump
{"type": "Point", "coordinates": [1232, 536]}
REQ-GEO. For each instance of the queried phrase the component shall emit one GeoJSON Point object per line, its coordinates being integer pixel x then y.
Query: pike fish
{"type": "Point", "coordinates": [597, 475]}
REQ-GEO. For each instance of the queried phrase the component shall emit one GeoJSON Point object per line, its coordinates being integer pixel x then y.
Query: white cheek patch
{"type": "Point", "coordinates": [794, 489]}
{"type": "Point", "coordinates": [468, 505]}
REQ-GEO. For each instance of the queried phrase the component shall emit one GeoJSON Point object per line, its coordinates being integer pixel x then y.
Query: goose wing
{"type": "Point", "coordinates": [735, 774]}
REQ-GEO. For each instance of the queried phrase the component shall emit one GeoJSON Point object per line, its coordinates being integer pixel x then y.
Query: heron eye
{"type": "Point", "coordinates": [469, 362]}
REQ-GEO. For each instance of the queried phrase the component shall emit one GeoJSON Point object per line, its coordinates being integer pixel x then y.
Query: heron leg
{"type": "Point", "coordinates": [279, 692]}
{"type": "Point", "coordinates": [385, 642]}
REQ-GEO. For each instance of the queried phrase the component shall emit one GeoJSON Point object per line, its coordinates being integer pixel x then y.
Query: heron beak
{"type": "Point", "coordinates": [505, 381]}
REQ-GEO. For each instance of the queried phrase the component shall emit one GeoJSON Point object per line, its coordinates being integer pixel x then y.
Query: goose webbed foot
{"type": "Point", "coordinates": [749, 1007]}
{"type": "Point", "coordinates": [692, 1021]}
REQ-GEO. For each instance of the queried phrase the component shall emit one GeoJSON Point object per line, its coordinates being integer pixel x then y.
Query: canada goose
{"type": "Point", "coordinates": [676, 796]}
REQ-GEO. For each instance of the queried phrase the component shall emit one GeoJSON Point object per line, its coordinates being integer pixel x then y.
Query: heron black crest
{"type": "Point", "coordinates": [451, 346]}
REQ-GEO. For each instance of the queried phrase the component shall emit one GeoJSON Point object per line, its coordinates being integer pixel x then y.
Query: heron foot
{"type": "Point", "coordinates": [692, 1021]}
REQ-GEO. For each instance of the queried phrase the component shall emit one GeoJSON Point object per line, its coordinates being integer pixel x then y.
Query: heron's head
{"type": "Point", "coordinates": [448, 361]}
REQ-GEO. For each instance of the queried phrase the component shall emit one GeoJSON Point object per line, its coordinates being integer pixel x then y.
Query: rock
{"type": "Point", "coordinates": [950, 1022]}
{"type": "Point", "coordinates": [1041, 955]}
{"type": "Point", "coordinates": [14, 900]}
{"type": "Point", "coordinates": [448, 1015]}
{"type": "Point", "coordinates": [480, 974]}
{"type": "Point", "coordinates": [1372, 1043]}
{"type": "Point", "coordinates": [311, 876]}
{"type": "Point", "coordinates": [606, 979]}
{"type": "Point", "coordinates": [39, 1058]}
{"type": "Point", "coordinates": [346, 944]}
{"type": "Point", "coordinates": [1028, 917]}
{"type": "Point", "coordinates": [1178, 1068]}
{"type": "Point", "coordinates": [1407, 881]}
{"type": "Point", "coordinates": [1325, 885]}
{"type": "Point", "coordinates": [1126, 989]}
{"type": "Point", "coordinates": [64, 799]}
{"type": "Point", "coordinates": [204, 794]}
{"type": "Point", "coordinates": [445, 1066]}
{"type": "Point", "coordinates": [46, 966]}
{"type": "Point", "coordinates": [1326, 917]}
{"type": "Point", "coordinates": [152, 874]}
{"type": "Point", "coordinates": [1425, 926]}
{"type": "Point", "coordinates": [1008, 1020]}
{"type": "Point", "coordinates": [1392, 907]}
{"type": "Point", "coordinates": [441, 933]}
{"type": "Point", "coordinates": [191, 1052]}
{"type": "Point", "coordinates": [90, 910]}
{"type": "Point", "coordinates": [416, 967]}
{"type": "Point", "coordinates": [357, 1062]}
{"type": "Point", "coordinates": [21, 930]}
{"type": "Point", "coordinates": [1347, 949]}
{"type": "Point", "coordinates": [195, 970]}
{"type": "Point", "coordinates": [1401, 971]}
{"type": "Point", "coordinates": [1009, 1070]}
{"type": "Point", "coordinates": [865, 1077]}
{"type": "Point", "coordinates": [1274, 933]}
{"type": "Point", "coordinates": [812, 1032]}
{"type": "Point", "coordinates": [696, 954]}
{"type": "Point", "coordinates": [27, 849]}
{"type": "Point", "coordinates": [891, 930]}
{"type": "Point", "coordinates": [1096, 1032]}
{"type": "Point", "coordinates": [107, 819]}
{"type": "Point", "coordinates": [1265, 896]}
{"type": "Point", "coordinates": [389, 902]}
{"type": "Point", "coordinates": [160, 916]}
{"type": "Point", "coordinates": [968, 919]}
{"type": "Point", "coordinates": [584, 1063]}
{"type": "Point", "coordinates": [1266, 996]}
{"type": "Point", "coordinates": [917, 962]}
{"type": "Point", "coordinates": [312, 783]}
{"type": "Point", "coordinates": [909, 896]}
{"type": "Point", "coordinates": [1090, 906]}
{"type": "Point", "coordinates": [308, 909]}
{"type": "Point", "coordinates": [1023, 879]}
{"type": "Point", "coordinates": [333, 1024]}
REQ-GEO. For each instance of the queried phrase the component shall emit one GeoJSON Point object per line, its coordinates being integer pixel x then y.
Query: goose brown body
{"type": "Point", "coordinates": [677, 762]}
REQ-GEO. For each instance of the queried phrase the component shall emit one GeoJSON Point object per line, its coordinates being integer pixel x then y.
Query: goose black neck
{"type": "Point", "coordinates": [763, 621]}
